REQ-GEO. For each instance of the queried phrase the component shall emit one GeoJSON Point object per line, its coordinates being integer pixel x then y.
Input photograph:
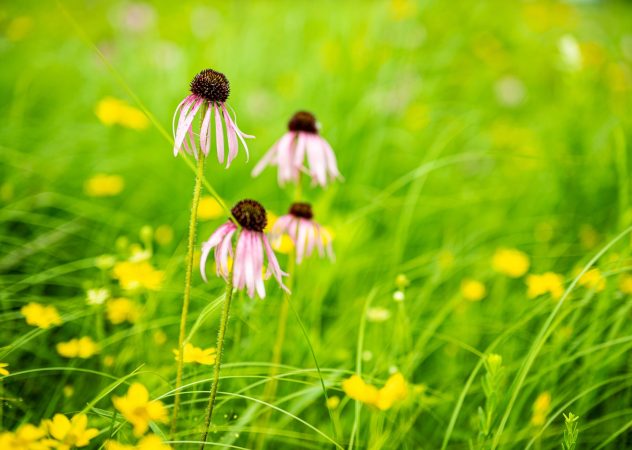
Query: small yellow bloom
{"type": "Point", "coordinates": [194, 354]}
{"type": "Point", "coordinates": [333, 402]}
{"type": "Point", "coordinates": [209, 209]}
{"type": "Point", "coordinates": [120, 310]}
{"type": "Point", "coordinates": [510, 262]}
{"type": "Point", "coordinates": [625, 284]}
{"type": "Point", "coordinates": [108, 360]}
{"type": "Point", "coordinates": [83, 347]}
{"type": "Point", "coordinates": [149, 442]}
{"type": "Point", "coordinates": [473, 290]}
{"type": "Point", "coordinates": [357, 389]}
{"type": "Point", "coordinates": [402, 281]}
{"type": "Point", "coordinates": [541, 408]}
{"type": "Point", "coordinates": [69, 391]}
{"type": "Point", "coordinates": [164, 234]}
{"type": "Point", "coordinates": [548, 282]}
{"type": "Point", "coordinates": [272, 218]}
{"type": "Point", "coordinates": [138, 410]}
{"type": "Point", "coordinates": [395, 390]}
{"type": "Point", "coordinates": [26, 437]}
{"type": "Point", "coordinates": [70, 433]}
{"type": "Point", "coordinates": [3, 371]}
{"type": "Point", "coordinates": [140, 274]}
{"type": "Point", "coordinates": [104, 185]}
{"type": "Point", "coordinates": [40, 315]}
{"type": "Point", "coordinates": [594, 280]}
{"type": "Point", "coordinates": [283, 244]}
{"type": "Point", "coordinates": [111, 111]}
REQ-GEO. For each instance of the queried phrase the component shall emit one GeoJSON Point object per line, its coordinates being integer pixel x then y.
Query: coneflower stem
{"type": "Point", "coordinates": [187, 287]}
{"type": "Point", "coordinates": [277, 351]}
{"type": "Point", "coordinates": [218, 357]}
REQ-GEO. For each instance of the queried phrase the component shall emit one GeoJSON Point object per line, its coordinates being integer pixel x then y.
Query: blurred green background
{"type": "Point", "coordinates": [459, 127]}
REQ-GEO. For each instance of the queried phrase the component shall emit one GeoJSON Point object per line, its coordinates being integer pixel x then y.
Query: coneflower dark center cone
{"type": "Point", "coordinates": [211, 85]}
{"type": "Point", "coordinates": [303, 210]}
{"type": "Point", "coordinates": [303, 121]}
{"type": "Point", "coordinates": [250, 215]}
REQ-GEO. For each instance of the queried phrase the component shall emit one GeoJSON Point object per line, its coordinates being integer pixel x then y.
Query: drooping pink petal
{"type": "Point", "coordinates": [249, 262]}
{"type": "Point", "coordinates": [257, 251]}
{"type": "Point", "coordinates": [310, 236]}
{"type": "Point", "coordinates": [268, 158]}
{"type": "Point", "coordinates": [232, 124]}
{"type": "Point", "coordinates": [222, 251]}
{"type": "Point", "coordinates": [183, 126]}
{"type": "Point", "coordinates": [205, 132]}
{"type": "Point", "coordinates": [215, 239]}
{"type": "Point", "coordinates": [285, 161]}
{"type": "Point", "coordinates": [273, 264]}
{"type": "Point", "coordinates": [187, 101]}
{"type": "Point", "coordinates": [319, 239]}
{"type": "Point", "coordinates": [299, 151]}
{"type": "Point", "coordinates": [219, 135]}
{"type": "Point", "coordinates": [316, 158]}
{"type": "Point", "coordinates": [330, 158]}
{"type": "Point", "coordinates": [192, 142]}
{"type": "Point", "coordinates": [232, 137]}
{"type": "Point", "coordinates": [301, 240]}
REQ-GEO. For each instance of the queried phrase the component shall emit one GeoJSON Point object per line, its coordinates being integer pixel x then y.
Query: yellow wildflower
{"type": "Point", "coordinates": [149, 442]}
{"type": "Point", "coordinates": [70, 433]}
{"type": "Point", "coordinates": [137, 409]}
{"type": "Point", "coordinates": [402, 281]}
{"type": "Point", "coordinates": [395, 390]}
{"type": "Point", "coordinates": [68, 391]}
{"type": "Point", "coordinates": [111, 111]}
{"type": "Point", "coordinates": [357, 389]}
{"type": "Point", "coordinates": [26, 437]}
{"type": "Point", "coordinates": [510, 262]}
{"type": "Point", "coordinates": [541, 408]}
{"type": "Point", "coordinates": [333, 402]}
{"type": "Point", "coordinates": [83, 347]}
{"type": "Point", "coordinates": [196, 354]}
{"type": "Point", "coordinates": [40, 315]}
{"type": "Point", "coordinates": [140, 274]}
{"type": "Point", "coordinates": [209, 209]}
{"type": "Point", "coordinates": [548, 282]}
{"type": "Point", "coordinates": [473, 290]}
{"type": "Point", "coordinates": [625, 284]}
{"type": "Point", "coordinates": [108, 360]}
{"type": "Point", "coordinates": [283, 244]}
{"type": "Point", "coordinates": [3, 371]}
{"type": "Point", "coordinates": [120, 310]}
{"type": "Point", "coordinates": [104, 185]}
{"type": "Point", "coordinates": [594, 280]}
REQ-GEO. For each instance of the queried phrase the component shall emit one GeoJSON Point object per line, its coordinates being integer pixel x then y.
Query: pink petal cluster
{"type": "Point", "coordinates": [184, 134]}
{"type": "Point", "coordinates": [306, 235]}
{"type": "Point", "coordinates": [290, 153]}
{"type": "Point", "coordinates": [248, 258]}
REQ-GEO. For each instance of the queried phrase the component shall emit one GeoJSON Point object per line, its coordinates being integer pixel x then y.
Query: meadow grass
{"type": "Point", "coordinates": [460, 128]}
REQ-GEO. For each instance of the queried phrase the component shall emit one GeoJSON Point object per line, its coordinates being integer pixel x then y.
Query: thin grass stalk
{"type": "Point", "coordinates": [218, 358]}
{"type": "Point", "coordinates": [187, 288]}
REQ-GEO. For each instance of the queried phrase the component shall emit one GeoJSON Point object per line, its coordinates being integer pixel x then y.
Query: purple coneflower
{"type": "Point", "coordinates": [301, 142]}
{"type": "Point", "coordinates": [248, 256]}
{"type": "Point", "coordinates": [209, 91]}
{"type": "Point", "coordinates": [304, 231]}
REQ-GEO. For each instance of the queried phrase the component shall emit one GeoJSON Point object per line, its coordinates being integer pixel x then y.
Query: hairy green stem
{"type": "Point", "coordinates": [218, 358]}
{"type": "Point", "coordinates": [187, 288]}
